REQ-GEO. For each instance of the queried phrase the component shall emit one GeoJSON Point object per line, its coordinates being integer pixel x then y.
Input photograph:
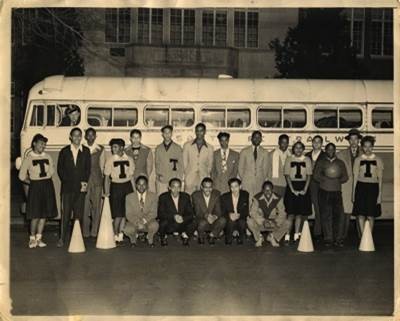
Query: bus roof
{"type": "Point", "coordinates": [212, 90]}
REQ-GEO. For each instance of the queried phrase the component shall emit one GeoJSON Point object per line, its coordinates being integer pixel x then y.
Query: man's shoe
{"type": "Point", "coordinates": [228, 242]}
{"type": "Point", "coordinates": [133, 244]}
{"type": "Point", "coordinates": [164, 241]}
{"type": "Point", "coordinates": [151, 245]}
{"type": "Point", "coordinates": [211, 240]}
{"type": "Point", "coordinates": [200, 240]}
{"type": "Point", "coordinates": [185, 241]}
{"type": "Point", "coordinates": [239, 241]}
{"type": "Point", "coordinates": [60, 243]}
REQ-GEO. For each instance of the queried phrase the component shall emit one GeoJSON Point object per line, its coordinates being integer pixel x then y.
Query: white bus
{"type": "Point", "coordinates": [300, 108]}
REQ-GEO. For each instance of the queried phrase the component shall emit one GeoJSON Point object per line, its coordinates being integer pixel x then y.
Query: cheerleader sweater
{"type": "Point", "coordinates": [36, 167]}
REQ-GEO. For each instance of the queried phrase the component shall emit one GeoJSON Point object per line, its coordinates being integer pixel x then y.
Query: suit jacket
{"type": "Point", "coordinates": [242, 207]}
{"type": "Point", "coordinates": [133, 212]}
{"type": "Point", "coordinates": [253, 173]}
{"type": "Point", "coordinates": [320, 156]}
{"type": "Point", "coordinates": [200, 206]}
{"type": "Point", "coordinates": [221, 179]}
{"type": "Point", "coordinates": [347, 188]}
{"type": "Point", "coordinates": [72, 175]}
{"type": "Point", "coordinates": [196, 165]}
{"type": "Point", "coordinates": [167, 210]}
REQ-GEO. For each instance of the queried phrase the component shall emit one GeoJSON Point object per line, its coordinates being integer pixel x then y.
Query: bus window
{"type": "Point", "coordinates": [325, 118]}
{"type": "Point", "coordinates": [182, 117]}
{"type": "Point", "coordinates": [99, 116]}
{"type": "Point", "coordinates": [270, 117]}
{"type": "Point", "coordinates": [238, 118]}
{"type": "Point", "coordinates": [156, 116]}
{"type": "Point", "coordinates": [37, 118]}
{"type": "Point", "coordinates": [125, 117]}
{"type": "Point", "coordinates": [382, 118]}
{"type": "Point", "coordinates": [71, 114]}
{"type": "Point", "coordinates": [294, 118]}
{"type": "Point", "coordinates": [51, 115]}
{"type": "Point", "coordinates": [350, 118]}
{"type": "Point", "coordinates": [213, 117]}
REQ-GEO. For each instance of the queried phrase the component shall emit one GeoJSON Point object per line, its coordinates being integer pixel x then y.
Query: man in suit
{"type": "Point", "coordinates": [141, 212]}
{"type": "Point", "coordinates": [267, 213]}
{"type": "Point", "coordinates": [235, 208]}
{"type": "Point", "coordinates": [197, 160]}
{"type": "Point", "coordinates": [253, 165]}
{"type": "Point", "coordinates": [142, 155]}
{"type": "Point", "coordinates": [73, 168]}
{"type": "Point", "coordinates": [207, 209]}
{"type": "Point", "coordinates": [316, 154]}
{"type": "Point", "coordinates": [175, 213]}
{"type": "Point", "coordinates": [348, 156]}
{"type": "Point", "coordinates": [225, 164]}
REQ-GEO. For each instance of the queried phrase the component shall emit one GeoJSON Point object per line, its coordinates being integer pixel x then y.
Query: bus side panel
{"type": "Point", "coordinates": [388, 187]}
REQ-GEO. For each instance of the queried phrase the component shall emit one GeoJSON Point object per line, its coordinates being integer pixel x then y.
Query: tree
{"type": "Point", "coordinates": [318, 47]}
{"type": "Point", "coordinates": [45, 42]}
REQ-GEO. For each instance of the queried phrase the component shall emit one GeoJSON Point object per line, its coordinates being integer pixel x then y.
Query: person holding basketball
{"type": "Point", "coordinates": [330, 172]}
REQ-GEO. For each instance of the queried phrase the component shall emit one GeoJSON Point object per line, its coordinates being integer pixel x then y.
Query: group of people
{"type": "Point", "coordinates": [205, 193]}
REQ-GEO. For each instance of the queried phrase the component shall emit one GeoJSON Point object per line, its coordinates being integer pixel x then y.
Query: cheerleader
{"type": "Point", "coordinates": [367, 186]}
{"type": "Point", "coordinates": [118, 171]}
{"type": "Point", "coordinates": [298, 171]}
{"type": "Point", "coordinates": [37, 170]}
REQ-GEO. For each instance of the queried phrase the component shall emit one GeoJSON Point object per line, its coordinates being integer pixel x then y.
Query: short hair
{"type": "Point", "coordinates": [330, 144]}
{"type": "Point", "coordinates": [75, 129]}
{"type": "Point", "coordinates": [317, 136]}
{"type": "Point", "coordinates": [135, 131]}
{"type": "Point", "coordinates": [255, 133]}
{"type": "Point", "coordinates": [200, 125]}
{"type": "Point", "coordinates": [166, 127]}
{"type": "Point", "coordinates": [90, 129]}
{"type": "Point", "coordinates": [283, 136]}
{"type": "Point", "coordinates": [223, 134]}
{"type": "Point", "coordinates": [298, 143]}
{"type": "Point", "coordinates": [38, 138]}
{"type": "Point", "coordinates": [207, 180]}
{"type": "Point", "coordinates": [233, 180]}
{"type": "Point", "coordinates": [269, 183]}
{"type": "Point", "coordinates": [141, 177]}
{"type": "Point", "coordinates": [117, 141]}
{"type": "Point", "coordinates": [368, 138]}
{"type": "Point", "coordinates": [174, 179]}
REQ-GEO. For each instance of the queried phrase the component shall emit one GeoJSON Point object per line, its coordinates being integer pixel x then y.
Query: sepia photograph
{"type": "Point", "coordinates": [201, 160]}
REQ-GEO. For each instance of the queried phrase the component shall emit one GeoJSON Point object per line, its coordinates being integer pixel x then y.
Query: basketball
{"type": "Point", "coordinates": [333, 171]}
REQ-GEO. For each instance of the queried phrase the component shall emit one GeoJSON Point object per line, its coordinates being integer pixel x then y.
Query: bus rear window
{"type": "Point", "coordinates": [382, 118]}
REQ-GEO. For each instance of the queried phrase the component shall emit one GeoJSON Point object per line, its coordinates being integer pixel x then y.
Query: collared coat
{"type": "Point", "coordinates": [219, 177]}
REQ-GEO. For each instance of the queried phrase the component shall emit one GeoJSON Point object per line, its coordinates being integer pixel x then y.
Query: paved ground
{"type": "Point", "coordinates": [219, 280]}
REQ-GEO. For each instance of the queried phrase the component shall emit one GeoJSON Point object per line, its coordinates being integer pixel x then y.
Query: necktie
{"type": "Point", "coordinates": [255, 153]}
{"type": "Point", "coordinates": [224, 166]}
{"type": "Point", "coordinates": [141, 202]}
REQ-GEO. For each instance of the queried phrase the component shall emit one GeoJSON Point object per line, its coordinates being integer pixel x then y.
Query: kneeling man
{"type": "Point", "coordinates": [207, 208]}
{"type": "Point", "coordinates": [141, 212]}
{"type": "Point", "coordinates": [175, 213]}
{"type": "Point", "coordinates": [267, 213]}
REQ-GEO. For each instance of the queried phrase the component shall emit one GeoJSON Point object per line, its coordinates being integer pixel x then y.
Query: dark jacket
{"type": "Point", "coordinates": [167, 210]}
{"type": "Point", "coordinates": [242, 207]}
{"type": "Point", "coordinates": [72, 175]}
{"type": "Point", "coordinates": [200, 206]}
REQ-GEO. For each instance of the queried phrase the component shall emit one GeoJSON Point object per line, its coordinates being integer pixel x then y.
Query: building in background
{"type": "Point", "coordinates": [183, 42]}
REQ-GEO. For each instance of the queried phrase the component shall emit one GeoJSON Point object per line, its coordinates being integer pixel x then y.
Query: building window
{"type": "Point", "coordinates": [182, 27]}
{"type": "Point", "coordinates": [355, 27]}
{"type": "Point", "coordinates": [246, 29]}
{"type": "Point", "coordinates": [150, 26]}
{"type": "Point", "coordinates": [382, 32]}
{"type": "Point", "coordinates": [118, 25]}
{"type": "Point", "coordinates": [214, 28]}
